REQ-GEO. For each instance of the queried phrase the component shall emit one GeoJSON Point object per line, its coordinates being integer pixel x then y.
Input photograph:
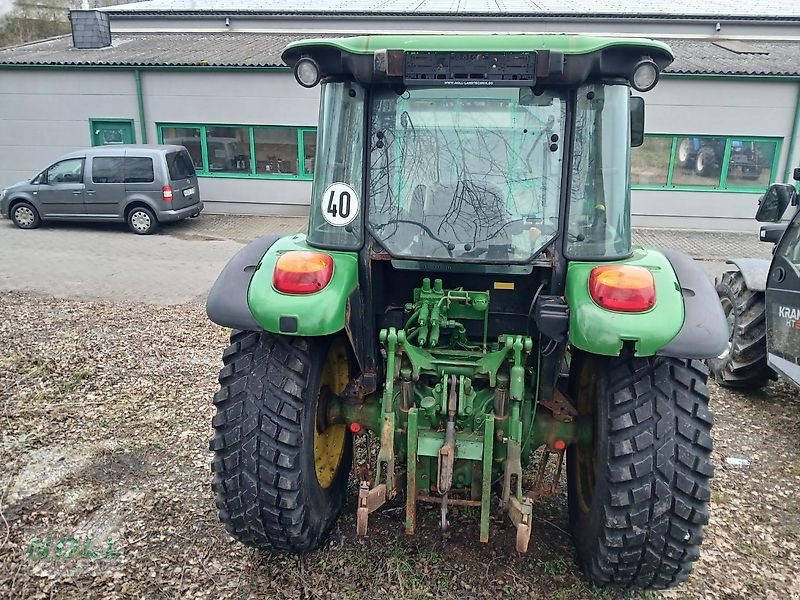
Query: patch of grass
{"type": "Point", "coordinates": [753, 548]}
{"type": "Point", "coordinates": [554, 567]}
{"type": "Point", "coordinates": [73, 381]}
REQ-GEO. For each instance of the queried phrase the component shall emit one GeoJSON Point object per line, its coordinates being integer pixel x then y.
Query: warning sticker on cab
{"type": "Point", "coordinates": [339, 204]}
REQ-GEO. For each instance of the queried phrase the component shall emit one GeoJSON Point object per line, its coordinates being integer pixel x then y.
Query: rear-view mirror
{"type": "Point", "coordinates": [529, 96]}
{"type": "Point", "coordinates": [637, 121]}
{"type": "Point", "coordinates": [773, 203]}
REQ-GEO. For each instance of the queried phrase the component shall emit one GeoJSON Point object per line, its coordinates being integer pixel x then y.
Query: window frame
{"type": "Point", "coordinates": [722, 186]}
{"type": "Point", "coordinates": [299, 129]}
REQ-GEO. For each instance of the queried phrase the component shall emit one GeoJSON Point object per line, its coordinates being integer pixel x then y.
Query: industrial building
{"type": "Point", "coordinates": [721, 125]}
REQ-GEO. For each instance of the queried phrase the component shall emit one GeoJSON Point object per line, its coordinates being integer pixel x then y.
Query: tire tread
{"type": "Point", "coordinates": [657, 490]}
{"type": "Point", "coordinates": [258, 440]}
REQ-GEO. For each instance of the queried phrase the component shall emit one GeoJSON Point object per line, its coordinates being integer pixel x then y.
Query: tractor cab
{"type": "Point", "coordinates": [434, 150]}
{"type": "Point", "coordinates": [466, 294]}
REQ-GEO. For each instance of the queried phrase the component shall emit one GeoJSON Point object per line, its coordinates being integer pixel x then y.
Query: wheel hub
{"type": "Point", "coordinates": [24, 216]}
{"type": "Point", "coordinates": [329, 440]}
{"type": "Point", "coordinates": [140, 221]}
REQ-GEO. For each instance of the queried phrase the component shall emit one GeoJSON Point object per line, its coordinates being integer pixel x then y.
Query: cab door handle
{"type": "Point", "coordinates": [76, 193]}
{"type": "Point", "coordinates": [90, 192]}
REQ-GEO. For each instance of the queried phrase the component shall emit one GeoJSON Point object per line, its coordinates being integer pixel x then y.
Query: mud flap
{"type": "Point", "coordinates": [227, 300]}
{"type": "Point", "coordinates": [705, 331]}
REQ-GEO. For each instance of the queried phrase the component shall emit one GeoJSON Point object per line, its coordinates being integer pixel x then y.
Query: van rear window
{"type": "Point", "coordinates": [180, 165]}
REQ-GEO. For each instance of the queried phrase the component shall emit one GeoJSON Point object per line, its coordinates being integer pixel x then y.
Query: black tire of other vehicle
{"type": "Point", "coordinates": [142, 221]}
{"type": "Point", "coordinates": [706, 162]}
{"type": "Point", "coordinates": [638, 499]}
{"type": "Point", "coordinates": [25, 216]}
{"type": "Point", "coordinates": [684, 153]}
{"type": "Point", "coordinates": [267, 489]}
{"type": "Point", "coordinates": [745, 364]}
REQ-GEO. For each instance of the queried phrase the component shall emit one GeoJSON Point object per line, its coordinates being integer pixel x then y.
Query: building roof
{"type": "Point", "coordinates": [158, 49]}
{"type": "Point", "coordinates": [758, 9]}
{"type": "Point", "coordinates": [233, 49]}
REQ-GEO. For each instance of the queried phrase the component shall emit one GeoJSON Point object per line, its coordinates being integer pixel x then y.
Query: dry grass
{"type": "Point", "coordinates": [105, 413]}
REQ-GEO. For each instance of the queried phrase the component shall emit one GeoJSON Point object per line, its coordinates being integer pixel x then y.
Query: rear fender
{"type": "Point", "coordinates": [754, 271]}
{"type": "Point", "coordinates": [600, 331]}
{"type": "Point", "coordinates": [321, 313]}
{"type": "Point", "coordinates": [227, 300]}
{"type": "Point", "coordinates": [704, 333]}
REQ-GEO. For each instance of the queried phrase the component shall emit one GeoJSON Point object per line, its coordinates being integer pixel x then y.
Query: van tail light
{"type": "Point", "coordinates": [166, 192]}
{"type": "Point", "coordinates": [301, 272]}
{"type": "Point", "coordinates": [623, 288]}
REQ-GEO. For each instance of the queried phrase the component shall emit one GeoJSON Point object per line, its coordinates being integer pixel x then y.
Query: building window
{"type": "Point", "coordinates": [309, 151]}
{"type": "Point", "coordinates": [276, 151]}
{"type": "Point", "coordinates": [228, 149]}
{"type": "Point", "coordinates": [256, 151]}
{"type": "Point", "coordinates": [705, 163]}
{"type": "Point", "coordinates": [188, 137]}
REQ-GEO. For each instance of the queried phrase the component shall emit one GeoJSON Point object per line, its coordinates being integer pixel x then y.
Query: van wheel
{"type": "Point", "coordinates": [25, 216]}
{"type": "Point", "coordinates": [142, 221]}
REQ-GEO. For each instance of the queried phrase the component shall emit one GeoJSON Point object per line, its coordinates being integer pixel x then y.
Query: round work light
{"type": "Point", "coordinates": [306, 71]}
{"type": "Point", "coordinates": [644, 76]}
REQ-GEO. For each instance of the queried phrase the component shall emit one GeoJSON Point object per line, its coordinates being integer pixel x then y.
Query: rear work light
{"type": "Point", "coordinates": [166, 193]}
{"type": "Point", "coordinates": [301, 272]}
{"type": "Point", "coordinates": [623, 288]}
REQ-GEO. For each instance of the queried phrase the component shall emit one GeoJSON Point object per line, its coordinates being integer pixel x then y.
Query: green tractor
{"type": "Point", "coordinates": [466, 294]}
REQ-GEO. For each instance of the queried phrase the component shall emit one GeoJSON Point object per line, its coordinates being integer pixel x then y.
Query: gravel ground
{"type": "Point", "coordinates": [105, 414]}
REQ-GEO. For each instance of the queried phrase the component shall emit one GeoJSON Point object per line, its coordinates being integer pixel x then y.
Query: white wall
{"type": "Point", "coordinates": [236, 98]}
{"type": "Point", "coordinates": [45, 114]}
{"type": "Point", "coordinates": [718, 107]}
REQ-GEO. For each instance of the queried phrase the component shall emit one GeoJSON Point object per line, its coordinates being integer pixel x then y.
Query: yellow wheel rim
{"type": "Point", "coordinates": [329, 444]}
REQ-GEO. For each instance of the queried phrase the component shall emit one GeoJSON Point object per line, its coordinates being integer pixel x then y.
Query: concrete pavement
{"type": "Point", "coordinates": [181, 262]}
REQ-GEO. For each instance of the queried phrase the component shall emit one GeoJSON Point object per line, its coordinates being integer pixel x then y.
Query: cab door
{"type": "Point", "coordinates": [783, 304]}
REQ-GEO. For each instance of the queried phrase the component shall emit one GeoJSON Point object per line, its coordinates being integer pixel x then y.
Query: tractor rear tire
{"type": "Point", "coordinates": [706, 163]}
{"type": "Point", "coordinates": [744, 365]}
{"type": "Point", "coordinates": [271, 490]}
{"type": "Point", "coordinates": [638, 497]}
{"type": "Point", "coordinates": [684, 153]}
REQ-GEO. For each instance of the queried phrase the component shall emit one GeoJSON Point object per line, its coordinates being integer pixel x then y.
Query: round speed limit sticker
{"type": "Point", "coordinates": [339, 204]}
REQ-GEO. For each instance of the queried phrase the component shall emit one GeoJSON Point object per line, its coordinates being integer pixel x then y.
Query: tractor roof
{"type": "Point", "coordinates": [558, 59]}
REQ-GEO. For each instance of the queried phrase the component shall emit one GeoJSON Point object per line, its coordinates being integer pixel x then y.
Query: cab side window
{"type": "Point", "coordinates": [789, 246]}
{"type": "Point", "coordinates": [66, 171]}
{"type": "Point", "coordinates": [107, 169]}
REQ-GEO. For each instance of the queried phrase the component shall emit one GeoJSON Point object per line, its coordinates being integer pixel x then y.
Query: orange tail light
{"type": "Point", "coordinates": [623, 288]}
{"type": "Point", "coordinates": [301, 272]}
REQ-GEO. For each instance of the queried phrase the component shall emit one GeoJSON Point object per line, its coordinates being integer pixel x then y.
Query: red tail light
{"type": "Point", "coordinates": [301, 272]}
{"type": "Point", "coordinates": [166, 192]}
{"type": "Point", "coordinates": [623, 288]}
